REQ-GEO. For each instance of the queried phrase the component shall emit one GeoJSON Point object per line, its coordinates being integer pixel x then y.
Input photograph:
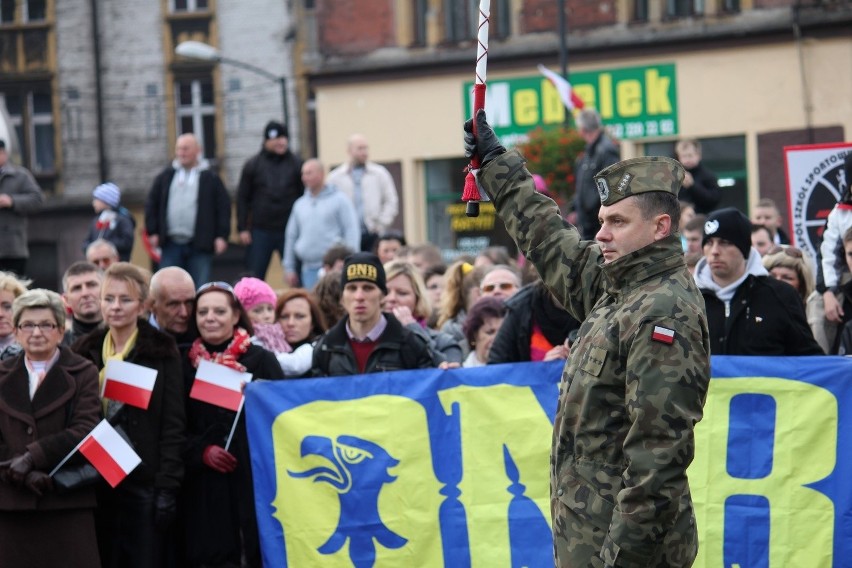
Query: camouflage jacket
{"type": "Point", "coordinates": [631, 392]}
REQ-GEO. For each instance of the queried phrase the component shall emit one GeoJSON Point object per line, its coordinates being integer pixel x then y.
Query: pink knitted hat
{"type": "Point", "coordinates": [253, 291]}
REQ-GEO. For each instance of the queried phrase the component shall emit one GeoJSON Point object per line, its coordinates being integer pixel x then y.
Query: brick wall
{"type": "Point", "coordinates": [352, 28]}
{"type": "Point", "coordinates": [542, 15]}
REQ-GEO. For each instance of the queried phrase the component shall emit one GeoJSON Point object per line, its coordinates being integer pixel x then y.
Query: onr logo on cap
{"type": "Point", "coordinates": [361, 272]}
{"type": "Point", "coordinates": [711, 227]}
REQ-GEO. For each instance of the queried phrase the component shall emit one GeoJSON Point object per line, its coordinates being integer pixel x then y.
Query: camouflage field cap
{"type": "Point", "coordinates": [639, 175]}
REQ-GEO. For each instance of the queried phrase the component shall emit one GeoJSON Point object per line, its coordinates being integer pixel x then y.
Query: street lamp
{"type": "Point", "coordinates": [204, 52]}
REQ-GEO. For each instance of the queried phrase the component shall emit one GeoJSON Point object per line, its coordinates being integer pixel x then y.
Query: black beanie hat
{"type": "Point", "coordinates": [363, 266]}
{"type": "Point", "coordinates": [729, 224]}
{"type": "Point", "coordinates": [275, 129]}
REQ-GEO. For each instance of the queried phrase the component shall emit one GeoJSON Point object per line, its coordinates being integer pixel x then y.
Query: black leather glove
{"type": "Point", "coordinates": [38, 482]}
{"type": "Point", "coordinates": [18, 468]}
{"type": "Point", "coordinates": [165, 508]}
{"type": "Point", "coordinates": [485, 143]}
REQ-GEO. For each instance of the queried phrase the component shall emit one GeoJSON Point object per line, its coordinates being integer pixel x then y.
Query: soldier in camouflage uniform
{"type": "Point", "coordinates": [635, 384]}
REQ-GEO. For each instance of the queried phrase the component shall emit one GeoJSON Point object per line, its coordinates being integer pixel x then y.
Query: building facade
{"type": "Point", "coordinates": [96, 93]}
{"type": "Point", "coordinates": [745, 77]}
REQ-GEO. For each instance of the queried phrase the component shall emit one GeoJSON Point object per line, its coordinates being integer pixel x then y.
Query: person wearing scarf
{"type": "Point", "coordinates": [221, 526]}
{"type": "Point", "coordinates": [133, 520]}
{"type": "Point", "coordinates": [48, 403]}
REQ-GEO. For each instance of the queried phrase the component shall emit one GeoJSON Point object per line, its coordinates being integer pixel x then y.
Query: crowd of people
{"type": "Point", "coordinates": [356, 299]}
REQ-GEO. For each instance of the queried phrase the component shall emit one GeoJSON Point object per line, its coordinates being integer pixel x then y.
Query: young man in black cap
{"type": "Point", "coordinates": [270, 184]}
{"type": "Point", "coordinates": [748, 312]}
{"type": "Point", "coordinates": [367, 340]}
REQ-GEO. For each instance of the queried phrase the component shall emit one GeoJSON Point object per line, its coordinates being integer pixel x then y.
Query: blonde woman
{"type": "Point", "coordinates": [10, 288]}
{"type": "Point", "coordinates": [408, 301]}
{"type": "Point", "coordinates": [134, 517]}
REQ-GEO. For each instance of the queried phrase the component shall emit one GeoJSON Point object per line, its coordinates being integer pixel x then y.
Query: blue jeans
{"type": "Point", "coordinates": [310, 275]}
{"type": "Point", "coordinates": [195, 262]}
{"type": "Point", "coordinates": [259, 252]}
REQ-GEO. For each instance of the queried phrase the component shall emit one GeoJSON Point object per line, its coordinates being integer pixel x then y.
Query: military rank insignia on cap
{"type": "Point", "coordinates": [663, 335]}
{"type": "Point", "coordinates": [639, 175]}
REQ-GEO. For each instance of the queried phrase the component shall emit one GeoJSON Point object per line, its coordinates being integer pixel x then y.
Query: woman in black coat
{"type": "Point", "coordinates": [219, 497]}
{"type": "Point", "coordinates": [48, 404]}
{"type": "Point", "coordinates": [134, 517]}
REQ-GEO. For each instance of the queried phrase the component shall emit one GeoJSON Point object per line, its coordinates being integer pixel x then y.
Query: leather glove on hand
{"type": "Point", "coordinates": [38, 482]}
{"type": "Point", "coordinates": [218, 459]}
{"type": "Point", "coordinates": [165, 508]}
{"type": "Point", "coordinates": [18, 468]}
{"type": "Point", "coordinates": [485, 143]}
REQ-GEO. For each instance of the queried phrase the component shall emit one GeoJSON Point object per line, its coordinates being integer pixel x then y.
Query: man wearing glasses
{"type": "Point", "coordinates": [748, 312]}
{"type": "Point", "coordinates": [500, 282]}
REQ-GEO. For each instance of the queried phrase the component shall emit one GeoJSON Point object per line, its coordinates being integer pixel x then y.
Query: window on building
{"type": "Point", "coordinates": [196, 112]}
{"type": "Point", "coordinates": [461, 19]}
{"type": "Point", "coordinates": [7, 11]}
{"type": "Point", "coordinates": [31, 113]}
{"type": "Point", "coordinates": [730, 6]}
{"type": "Point", "coordinates": [684, 8]}
{"type": "Point", "coordinates": [189, 5]}
{"type": "Point", "coordinates": [640, 10]}
{"type": "Point", "coordinates": [36, 10]}
{"type": "Point", "coordinates": [420, 12]}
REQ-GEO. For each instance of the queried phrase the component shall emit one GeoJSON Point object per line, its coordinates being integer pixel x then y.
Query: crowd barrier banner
{"type": "Point", "coordinates": [450, 468]}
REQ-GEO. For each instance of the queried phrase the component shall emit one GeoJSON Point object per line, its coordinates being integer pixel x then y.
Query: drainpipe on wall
{"type": "Point", "coordinates": [99, 97]}
{"type": "Point", "coordinates": [807, 105]}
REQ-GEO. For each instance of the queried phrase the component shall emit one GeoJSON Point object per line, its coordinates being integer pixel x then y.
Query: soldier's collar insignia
{"type": "Point", "coordinates": [603, 189]}
{"type": "Point", "coordinates": [711, 227]}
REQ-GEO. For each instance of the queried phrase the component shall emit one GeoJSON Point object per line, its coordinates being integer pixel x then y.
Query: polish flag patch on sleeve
{"type": "Point", "coordinates": [663, 335]}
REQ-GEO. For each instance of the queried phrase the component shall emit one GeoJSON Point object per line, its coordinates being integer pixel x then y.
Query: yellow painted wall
{"type": "Point", "coordinates": [747, 90]}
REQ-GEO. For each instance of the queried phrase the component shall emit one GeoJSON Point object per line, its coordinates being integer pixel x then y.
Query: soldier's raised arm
{"type": "Point", "coordinates": [569, 266]}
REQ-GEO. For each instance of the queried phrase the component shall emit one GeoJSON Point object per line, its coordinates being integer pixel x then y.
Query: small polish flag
{"type": "Point", "coordinates": [663, 335]}
{"type": "Point", "coordinates": [129, 383]}
{"type": "Point", "coordinates": [111, 455]}
{"type": "Point", "coordinates": [219, 385]}
{"type": "Point", "coordinates": [563, 87]}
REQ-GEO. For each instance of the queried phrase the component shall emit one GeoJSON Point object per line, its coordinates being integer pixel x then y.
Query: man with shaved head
{"type": "Point", "coordinates": [370, 187]}
{"type": "Point", "coordinates": [321, 218]}
{"type": "Point", "coordinates": [188, 211]}
{"type": "Point", "coordinates": [171, 300]}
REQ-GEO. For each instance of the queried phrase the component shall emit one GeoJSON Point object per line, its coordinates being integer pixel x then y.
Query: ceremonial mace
{"type": "Point", "coordinates": [470, 195]}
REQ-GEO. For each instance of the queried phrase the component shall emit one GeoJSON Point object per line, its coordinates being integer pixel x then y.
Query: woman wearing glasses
{"type": "Point", "coordinates": [220, 516]}
{"type": "Point", "coordinates": [133, 517]}
{"type": "Point", "coordinates": [10, 288]}
{"type": "Point", "coordinates": [48, 403]}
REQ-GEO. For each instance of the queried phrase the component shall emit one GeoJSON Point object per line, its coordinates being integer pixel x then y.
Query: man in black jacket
{"type": "Point", "coordinates": [270, 184]}
{"type": "Point", "coordinates": [535, 329]}
{"type": "Point", "coordinates": [367, 340]}
{"type": "Point", "coordinates": [600, 153]}
{"type": "Point", "coordinates": [748, 311]}
{"type": "Point", "coordinates": [188, 212]}
{"type": "Point", "coordinates": [700, 185]}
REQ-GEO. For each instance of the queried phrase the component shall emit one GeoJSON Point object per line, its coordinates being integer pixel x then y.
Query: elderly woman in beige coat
{"type": "Point", "coordinates": [48, 404]}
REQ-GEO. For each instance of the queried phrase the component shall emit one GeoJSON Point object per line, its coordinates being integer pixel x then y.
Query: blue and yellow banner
{"type": "Point", "coordinates": [450, 468]}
